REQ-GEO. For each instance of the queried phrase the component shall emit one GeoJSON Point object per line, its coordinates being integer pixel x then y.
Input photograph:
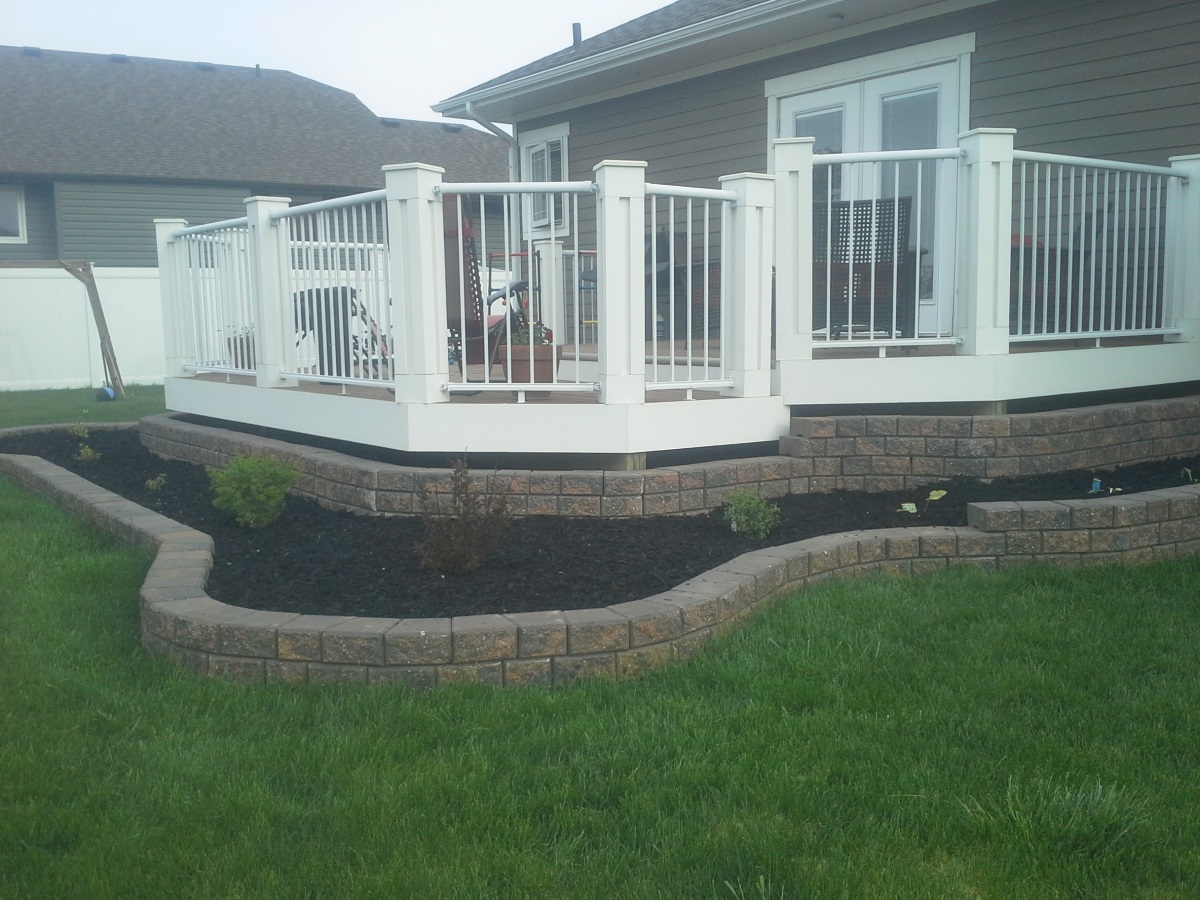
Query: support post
{"type": "Point", "coordinates": [418, 275]}
{"type": "Point", "coordinates": [274, 323]}
{"type": "Point", "coordinates": [621, 288]}
{"type": "Point", "coordinates": [793, 253]}
{"type": "Point", "coordinates": [176, 332]}
{"type": "Point", "coordinates": [985, 240]}
{"type": "Point", "coordinates": [751, 246]}
{"type": "Point", "coordinates": [1182, 288]}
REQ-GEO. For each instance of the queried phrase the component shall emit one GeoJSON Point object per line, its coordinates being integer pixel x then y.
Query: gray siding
{"type": "Point", "coordinates": [1101, 78]}
{"type": "Point", "coordinates": [113, 224]}
{"type": "Point", "coordinates": [39, 226]}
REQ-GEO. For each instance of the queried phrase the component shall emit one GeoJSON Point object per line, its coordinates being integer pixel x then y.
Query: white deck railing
{"type": "Point", "coordinates": [213, 274]}
{"type": "Point", "coordinates": [1089, 248]}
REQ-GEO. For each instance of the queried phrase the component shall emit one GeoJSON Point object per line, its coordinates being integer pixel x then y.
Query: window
{"type": "Point", "coordinates": [544, 158]}
{"type": "Point", "coordinates": [12, 215]}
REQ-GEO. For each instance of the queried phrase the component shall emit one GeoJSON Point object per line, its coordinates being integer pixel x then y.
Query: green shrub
{"type": "Point", "coordinates": [465, 534]}
{"type": "Point", "coordinates": [751, 515]}
{"type": "Point", "coordinates": [253, 488]}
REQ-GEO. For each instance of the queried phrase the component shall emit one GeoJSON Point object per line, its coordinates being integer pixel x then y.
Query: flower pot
{"type": "Point", "coordinates": [523, 367]}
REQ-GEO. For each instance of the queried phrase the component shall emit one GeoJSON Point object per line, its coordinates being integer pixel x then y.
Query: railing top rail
{"type": "Point", "coordinates": [671, 190]}
{"type": "Point", "coordinates": [334, 203]}
{"type": "Point", "coordinates": [888, 155]}
{"type": "Point", "coordinates": [224, 224]}
{"type": "Point", "coordinates": [518, 187]}
{"type": "Point", "coordinates": [1031, 156]}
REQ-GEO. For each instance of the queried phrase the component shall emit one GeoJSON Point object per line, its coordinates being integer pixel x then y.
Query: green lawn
{"type": "Point", "coordinates": [1030, 734]}
{"type": "Point", "coordinates": [81, 405]}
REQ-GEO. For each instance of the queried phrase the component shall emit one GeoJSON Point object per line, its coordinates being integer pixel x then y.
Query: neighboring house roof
{"type": "Point", "coordinates": [87, 115]}
{"type": "Point", "coordinates": [679, 41]}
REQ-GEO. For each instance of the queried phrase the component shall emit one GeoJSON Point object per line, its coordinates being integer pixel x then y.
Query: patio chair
{"type": "Point", "coordinates": [332, 316]}
{"type": "Point", "coordinates": [863, 268]}
{"type": "Point", "coordinates": [475, 330]}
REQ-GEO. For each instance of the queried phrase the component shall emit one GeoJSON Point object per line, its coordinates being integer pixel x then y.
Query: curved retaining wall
{"type": "Point", "coordinates": [182, 622]}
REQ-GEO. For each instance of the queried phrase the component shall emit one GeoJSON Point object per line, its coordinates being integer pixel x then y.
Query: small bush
{"type": "Point", "coordinates": [751, 515]}
{"type": "Point", "coordinates": [476, 521]}
{"type": "Point", "coordinates": [253, 488]}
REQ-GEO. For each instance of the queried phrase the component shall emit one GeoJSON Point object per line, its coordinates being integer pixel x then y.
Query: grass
{"type": "Point", "coordinates": [1028, 734]}
{"type": "Point", "coordinates": [81, 405]}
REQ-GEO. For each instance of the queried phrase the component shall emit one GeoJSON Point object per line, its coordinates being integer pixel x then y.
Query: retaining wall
{"type": "Point", "coordinates": [887, 453]}
{"type": "Point", "coordinates": [180, 621]}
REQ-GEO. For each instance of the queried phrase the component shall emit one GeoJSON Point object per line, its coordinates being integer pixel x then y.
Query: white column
{"type": "Point", "coordinates": [176, 334]}
{"type": "Point", "coordinates": [793, 252]}
{"type": "Point", "coordinates": [418, 275]}
{"type": "Point", "coordinates": [984, 240]}
{"type": "Point", "coordinates": [274, 318]}
{"type": "Point", "coordinates": [621, 280]}
{"type": "Point", "coordinates": [1182, 289]}
{"type": "Point", "coordinates": [549, 256]}
{"type": "Point", "coordinates": [750, 246]}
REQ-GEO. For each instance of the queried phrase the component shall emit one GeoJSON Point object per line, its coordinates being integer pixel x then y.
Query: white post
{"type": "Point", "coordinates": [985, 240]}
{"type": "Point", "coordinates": [793, 253]}
{"type": "Point", "coordinates": [621, 289]}
{"type": "Point", "coordinates": [549, 255]}
{"type": "Point", "coordinates": [174, 322]}
{"type": "Point", "coordinates": [418, 275]}
{"type": "Point", "coordinates": [274, 324]}
{"type": "Point", "coordinates": [750, 245]}
{"type": "Point", "coordinates": [1182, 289]}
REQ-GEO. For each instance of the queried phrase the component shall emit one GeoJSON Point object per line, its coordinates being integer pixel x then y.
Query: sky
{"type": "Point", "coordinates": [398, 56]}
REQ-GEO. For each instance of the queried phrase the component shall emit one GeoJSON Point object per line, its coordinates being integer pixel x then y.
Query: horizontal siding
{"type": "Point", "coordinates": [1103, 78]}
{"type": "Point", "coordinates": [39, 226]}
{"type": "Point", "coordinates": [113, 224]}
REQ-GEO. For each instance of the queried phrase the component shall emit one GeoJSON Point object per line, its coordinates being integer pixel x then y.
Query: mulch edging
{"type": "Point", "coordinates": [180, 621]}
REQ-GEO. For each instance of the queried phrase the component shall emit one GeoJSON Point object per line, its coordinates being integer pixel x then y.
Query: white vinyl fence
{"type": "Point", "coordinates": [49, 339]}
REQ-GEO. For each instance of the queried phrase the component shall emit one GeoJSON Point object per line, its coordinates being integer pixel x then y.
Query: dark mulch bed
{"type": "Point", "coordinates": [315, 560]}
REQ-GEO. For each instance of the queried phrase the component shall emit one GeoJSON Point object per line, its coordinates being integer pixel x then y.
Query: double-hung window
{"type": "Point", "coordinates": [12, 215]}
{"type": "Point", "coordinates": [544, 158]}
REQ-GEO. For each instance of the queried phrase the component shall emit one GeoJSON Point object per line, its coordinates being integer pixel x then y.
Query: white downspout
{"type": "Point", "coordinates": [514, 168]}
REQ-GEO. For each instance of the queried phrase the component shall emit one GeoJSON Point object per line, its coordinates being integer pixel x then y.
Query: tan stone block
{"type": "Point", "coordinates": [418, 642]}
{"type": "Point", "coordinates": [483, 638]}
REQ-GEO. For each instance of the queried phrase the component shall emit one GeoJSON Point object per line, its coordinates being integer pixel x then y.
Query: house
{"type": "Point", "coordinates": [732, 213]}
{"type": "Point", "coordinates": [94, 147]}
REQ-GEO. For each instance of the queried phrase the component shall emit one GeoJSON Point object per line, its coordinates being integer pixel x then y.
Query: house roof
{"type": "Point", "coordinates": [679, 41]}
{"type": "Point", "coordinates": [87, 115]}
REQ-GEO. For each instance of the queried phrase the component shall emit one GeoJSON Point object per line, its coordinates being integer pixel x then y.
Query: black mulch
{"type": "Point", "coordinates": [315, 560]}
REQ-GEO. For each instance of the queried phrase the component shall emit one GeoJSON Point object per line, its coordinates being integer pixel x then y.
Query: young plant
{"type": "Point", "coordinates": [751, 515]}
{"type": "Point", "coordinates": [157, 483]}
{"type": "Point", "coordinates": [912, 507]}
{"type": "Point", "coordinates": [87, 454]}
{"type": "Point", "coordinates": [253, 488]}
{"type": "Point", "coordinates": [465, 535]}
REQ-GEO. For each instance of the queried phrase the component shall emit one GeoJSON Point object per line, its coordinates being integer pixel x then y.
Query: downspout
{"type": "Point", "coordinates": [514, 164]}
{"type": "Point", "coordinates": [514, 172]}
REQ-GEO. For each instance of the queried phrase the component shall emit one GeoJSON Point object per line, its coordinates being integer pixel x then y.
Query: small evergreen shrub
{"type": "Point", "coordinates": [253, 489]}
{"type": "Point", "coordinates": [751, 515]}
{"type": "Point", "coordinates": [472, 527]}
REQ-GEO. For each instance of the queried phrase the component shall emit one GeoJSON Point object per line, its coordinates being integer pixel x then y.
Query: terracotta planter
{"type": "Point", "coordinates": [545, 359]}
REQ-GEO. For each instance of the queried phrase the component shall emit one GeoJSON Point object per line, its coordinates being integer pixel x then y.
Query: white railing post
{"type": "Point", "coordinates": [1182, 288]}
{"type": "Point", "coordinates": [174, 321]}
{"type": "Point", "coordinates": [984, 240]}
{"type": "Point", "coordinates": [793, 252]}
{"type": "Point", "coordinates": [418, 277]}
{"type": "Point", "coordinates": [273, 316]}
{"type": "Point", "coordinates": [746, 289]}
{"type": "Point", "coordinates": [550, 284]}
{"type": "Point", "coordinates": [620, 246]}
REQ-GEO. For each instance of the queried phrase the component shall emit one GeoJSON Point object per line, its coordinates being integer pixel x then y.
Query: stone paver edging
{"type": "Point", "coordinates": [211, 638]}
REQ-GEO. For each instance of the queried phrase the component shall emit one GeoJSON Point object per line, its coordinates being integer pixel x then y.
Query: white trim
{"type": "Point", "coordinates": [22, 235]}
{"type": "Point", "coordinates": [528, 142]}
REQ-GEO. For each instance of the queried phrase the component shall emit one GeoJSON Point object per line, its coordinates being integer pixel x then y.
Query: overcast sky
{"type": "Point", "coordinates": [398, 56]}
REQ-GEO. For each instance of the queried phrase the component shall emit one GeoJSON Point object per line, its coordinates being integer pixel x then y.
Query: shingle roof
{"type": "Point", "coordinates": [92, 115]}
{"type": "Point", "coordinates": [662, 21]}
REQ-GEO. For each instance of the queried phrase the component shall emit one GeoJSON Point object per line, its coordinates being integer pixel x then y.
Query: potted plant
{"type": "Point", "coordinates": [530, 355]}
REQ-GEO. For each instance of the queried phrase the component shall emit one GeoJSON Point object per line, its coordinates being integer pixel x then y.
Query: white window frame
{"type": "Point", "coordinates": [542, 141]}
{"type": "Point", "coordinates": [957, 50]}
{"type": "Point", "coordinates": [22, 235]}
